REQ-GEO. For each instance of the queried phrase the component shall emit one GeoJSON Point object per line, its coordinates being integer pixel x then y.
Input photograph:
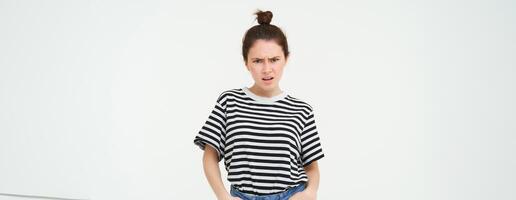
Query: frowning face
{"type": "Point", "coordinates": [265, 62]}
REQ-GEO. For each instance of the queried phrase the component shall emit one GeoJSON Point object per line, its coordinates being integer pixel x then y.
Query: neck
{"type": "Point", "coordinates": [265, 93]}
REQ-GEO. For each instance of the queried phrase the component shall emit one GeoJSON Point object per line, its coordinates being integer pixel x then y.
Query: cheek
{"type": "Point", "coordinates": [279, 68]}
{"type": "Point", "coordinates": [255, 71]}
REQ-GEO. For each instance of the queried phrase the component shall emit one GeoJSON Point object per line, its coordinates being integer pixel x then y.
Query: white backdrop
{"type": "Point", "coordinates": [102, 99]}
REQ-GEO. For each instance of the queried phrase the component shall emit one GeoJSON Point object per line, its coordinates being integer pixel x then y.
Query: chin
{"type": "Point", "coordinates": [268, 86]}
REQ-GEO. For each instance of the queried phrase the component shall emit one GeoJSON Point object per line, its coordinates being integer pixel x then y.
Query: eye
{"type": "Point", "coordinates": [275, 59]}
{"type": "Point", "coordinates": [257, 61]}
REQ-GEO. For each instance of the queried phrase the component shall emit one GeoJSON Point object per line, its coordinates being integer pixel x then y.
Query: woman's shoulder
{"type": "Point", "coordinates": [299, 101]}
{"type": "Point", "coordinates": [231, 91]}
{"type": "Point", "coordinates": [225, 93]}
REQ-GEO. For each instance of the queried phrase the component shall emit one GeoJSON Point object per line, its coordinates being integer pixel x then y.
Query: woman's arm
{"type": "Point", "coordinates": [310, 192]}
{"type": "Point", "coordinates": [212, 173]}
{"type": "Point", "coordinates": [312, 171]}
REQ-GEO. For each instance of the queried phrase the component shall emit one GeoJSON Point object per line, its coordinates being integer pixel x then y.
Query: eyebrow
{"type": "Point", "coordinates": [262, 58]}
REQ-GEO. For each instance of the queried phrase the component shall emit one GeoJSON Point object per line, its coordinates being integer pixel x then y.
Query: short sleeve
{"type": "Point", "coordinates": [213, 130]}
{"type": "Point", "coordinates": [310, 142]}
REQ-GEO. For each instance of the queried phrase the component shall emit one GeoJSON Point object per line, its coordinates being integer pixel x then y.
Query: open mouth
{"type": "Point", "coordinates": [267, 78]}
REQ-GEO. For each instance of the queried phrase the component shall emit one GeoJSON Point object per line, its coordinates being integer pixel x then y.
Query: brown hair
{"type": "Point", "coordinates": [265, 31]}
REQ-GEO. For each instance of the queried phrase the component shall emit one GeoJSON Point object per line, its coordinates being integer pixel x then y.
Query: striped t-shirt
{"type": "Point", "coordinates": [265, 142]}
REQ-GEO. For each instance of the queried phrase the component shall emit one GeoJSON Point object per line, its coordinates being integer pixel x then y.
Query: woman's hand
{"type": "Point", "coordinates": [233, 198]}
{"type": "Point", "coordinates": [229, 197]}
{"type": "Point", "coordinates": [304, 195]}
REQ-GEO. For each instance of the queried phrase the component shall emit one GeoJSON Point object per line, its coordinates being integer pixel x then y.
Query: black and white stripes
{"type": "Point", "coordinates": [265, 142]}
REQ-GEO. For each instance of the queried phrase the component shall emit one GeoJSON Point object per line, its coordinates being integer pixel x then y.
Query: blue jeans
{"type": "Point", "coordinates": [279, 196]}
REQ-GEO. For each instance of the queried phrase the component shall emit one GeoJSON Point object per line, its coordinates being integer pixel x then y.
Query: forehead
{"type": "Point", "coordinates": [265, 48]}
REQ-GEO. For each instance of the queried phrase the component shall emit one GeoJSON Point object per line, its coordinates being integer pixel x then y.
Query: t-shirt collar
{"type": "Point", "coordinates": [263, 99]}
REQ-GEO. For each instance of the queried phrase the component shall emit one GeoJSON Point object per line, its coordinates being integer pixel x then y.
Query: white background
{"type": "Point", "coordinates": [102, 99]}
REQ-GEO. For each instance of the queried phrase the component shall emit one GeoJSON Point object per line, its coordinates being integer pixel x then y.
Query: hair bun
{"type": "Point", "coordinates": [263, 17]}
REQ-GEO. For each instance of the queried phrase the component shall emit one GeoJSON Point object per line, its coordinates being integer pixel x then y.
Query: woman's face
{"type": "Point", "coordinates": [266, 61]}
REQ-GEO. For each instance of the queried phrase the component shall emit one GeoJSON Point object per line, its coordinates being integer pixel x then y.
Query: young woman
{"type": "Point", "coordinates": [267, 138]}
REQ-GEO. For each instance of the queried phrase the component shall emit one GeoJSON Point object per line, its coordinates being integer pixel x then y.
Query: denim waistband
{"type": "Point", "coordinates": [283, 193]}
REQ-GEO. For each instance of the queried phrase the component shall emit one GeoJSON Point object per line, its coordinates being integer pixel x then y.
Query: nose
{"type": "Point", "coordinates": [267, 68]}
